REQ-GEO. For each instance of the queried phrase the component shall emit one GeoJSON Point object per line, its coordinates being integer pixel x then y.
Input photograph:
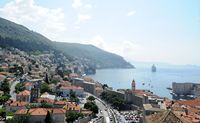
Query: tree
{"type": "Point", "coordinates": [46, 105]}
{"type": "Point", "coordinates": [5, 86]}
{"type": "Point", "coordinates": [92, 107]}
{"type": "Point", "coordinates": [91, 98]}
{"type": "Point", "coordinates": [45, 88]}
{"type": "Point", "coordinates": [54, 81]}
{"type": "Point", "coordinates": [1, 70]}
{"type": "Point", "coordinates": [48, 118]}
{"type": "Point", "coordinates": [105, 86]}
{"type": "Point", "coordinates": [19, 87]}
{"type": "Point", "coordinates": [19, 119]}
{"type": "Point", "coordinates": [73, 97]}
{"type": "Point", "coordinates": [113, 99]}
{"type": "Point", "coordinates": [46, 79]}
{"type": "Point", "coordinates": [4, 98]}
{"type": "Point", "coordinates": [71, 116]}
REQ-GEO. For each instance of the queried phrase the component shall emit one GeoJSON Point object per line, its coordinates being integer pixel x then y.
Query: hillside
{"type": "Point", "coordinates": [93, 55]}
{"type": "Point", "coordinates": [18, 36]}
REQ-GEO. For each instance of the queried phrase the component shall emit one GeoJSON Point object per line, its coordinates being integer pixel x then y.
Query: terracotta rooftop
{"type": "Point", "coordinates": [88, 79]}
{"type": "Point", "coordinates": [99, 88]}
{"type": "Point", "coordinates": [193, 103]}
{"type": "Point", "coordinates": [73, 75]}
{"type": "Point", "coordinates": [72, 106]}
{"type": "Point", "coordinates": [40, 111]}
{"type": "Point", "coordinates": [18, 103]}
{"type": "Point", "coordinates": [24, 93]}
{"type": "Point", "coordinates": [60, 102]}
{"type": "Point", "coordinates": [46, 100]}
{"type": "Point", "coordinates": [4, 73]}
{"type": "Point", "coordinates": [2, 77]}
{"type": "Point", "coordinates": [165, 117]}
{"type": "Point", "coordinates": [192, 107]}
{"type": "Point", "coordinates": [142, 93]}
{"type": "Point", "coordinates": [64, 83]}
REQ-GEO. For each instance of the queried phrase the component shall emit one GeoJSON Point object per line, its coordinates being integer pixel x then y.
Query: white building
{"type": "Point", "coordinates": [65, 91]}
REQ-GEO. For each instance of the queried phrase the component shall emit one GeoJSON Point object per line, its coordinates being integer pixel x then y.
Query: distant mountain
{"type": "Point", "coordinates": [93, 55]}
{"type": "Point", "coordinates": [18, 36]}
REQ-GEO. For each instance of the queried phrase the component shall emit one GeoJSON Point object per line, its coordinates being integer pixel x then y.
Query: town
{"type": "Point", "coordinates": [48, 88]}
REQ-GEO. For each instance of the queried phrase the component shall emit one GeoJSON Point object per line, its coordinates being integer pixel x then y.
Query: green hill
{"type": "Point", "coordinates": [93, 55]}
{"type": "Point", "coordinates": [18, 36]}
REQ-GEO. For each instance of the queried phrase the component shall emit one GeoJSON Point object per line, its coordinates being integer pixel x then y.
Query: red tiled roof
{"type": "Point", "coordinates": [193, 103]}
{"type": "Point", "coordinates": [46, 100]}
{"type": "Point", "coordinates": [73, 75]}
{"type": "Point", "coordinates": [40, 111]}
{"type": "Point", "coordinates": [24, 93]}
{"type": "Point", "coordinates": [72, 106]}
{"type": "Point", "coordinates": [142, 93]}
{"type": "Point", "coordinates": [60, 102]}
{"type": "Point", "coordinates": [18, 103]}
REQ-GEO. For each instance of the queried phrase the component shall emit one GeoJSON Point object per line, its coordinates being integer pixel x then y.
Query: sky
{"type": "Point", "coordinates": [139, 30]}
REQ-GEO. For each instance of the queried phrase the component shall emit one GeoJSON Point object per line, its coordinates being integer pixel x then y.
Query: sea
{"type": "Point", "coordinates": [157, 82]}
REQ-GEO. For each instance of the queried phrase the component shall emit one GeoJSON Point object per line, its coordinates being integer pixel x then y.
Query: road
{"type": "Point", "coordinates": [12, 89]}
{"type": "Point", "coordinates": [103, 107]}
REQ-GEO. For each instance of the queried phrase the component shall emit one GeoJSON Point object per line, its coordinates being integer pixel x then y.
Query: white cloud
{"type": "Point", "coordinates": [82, 12]}
{"type": "Point", "coordinates": [97, 41]}
{"type": "Point", "coordinates": [131, 13]}
{"type": "Point", "coordinates": [83, 18]}
{"type": "Point", "coordinates": [88, 6]}
{"type": "Point", "coordinates": [49, 22]}
{"type": "Point", "coordinates": [76, 4]}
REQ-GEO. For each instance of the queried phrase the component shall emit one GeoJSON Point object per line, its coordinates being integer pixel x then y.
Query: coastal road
{"type": "Point", "coordinates": [103, 107]}
{"type": "Point", "coordinates": [104, 110]}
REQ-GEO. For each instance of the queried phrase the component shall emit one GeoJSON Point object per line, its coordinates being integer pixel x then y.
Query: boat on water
{"type": "Point", "coordinates": [169, 88]}
{"type": "Point", "coordinates": [153, 68]}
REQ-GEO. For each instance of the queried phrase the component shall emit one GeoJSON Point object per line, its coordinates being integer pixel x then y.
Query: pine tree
{"type": "Point", "coordinates": [48, 118]}
{"type": "Point", "coordinates": [46, 79]}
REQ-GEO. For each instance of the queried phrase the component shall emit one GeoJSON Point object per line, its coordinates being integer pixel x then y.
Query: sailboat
{"type": "Point", "coordinates": [153, 68]}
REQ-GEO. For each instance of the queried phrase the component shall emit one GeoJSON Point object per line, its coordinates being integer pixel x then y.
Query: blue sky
{"type": "Point", "coordinates": [139, 30]}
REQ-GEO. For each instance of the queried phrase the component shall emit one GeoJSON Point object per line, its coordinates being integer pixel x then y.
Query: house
{"type": "Point", "coordinates": [65, 91]}
{"type": "Point", "coordinates": [45, 100]}
{"type": "Point", "coordinates": [2, 77]}
{"type": "Point", "coordinates": [35, 93]}
{"type": "Point", "coordinates": [98, 91]}
{"type": "Point", "coordinates": [38, 115]}
{"type": "Point", "coordinates": [13, 106]}
{"type": "Point", "coordinates": [29, 85]}
{"type": "Point", "coordinates": [64, 83]}
{"type": "Point", "coordinates": [47, 95]}
{"type": "Point", "coordinates": [88, 79]}
{"type": "Point", "coordinates": [73, 75]}
{"type": "Point", "coordinates": [24, 96]}
{"type": "Point", "coordinates": [87, 86]}
{"type": "Point", "coordinates": [165, 117]}
{"type": "Point", "coordinates": [72, 107]}
{"type": "Point", "coordinates": [59, 104]}
{"type": "Point", "coordinates": [52, 87]}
